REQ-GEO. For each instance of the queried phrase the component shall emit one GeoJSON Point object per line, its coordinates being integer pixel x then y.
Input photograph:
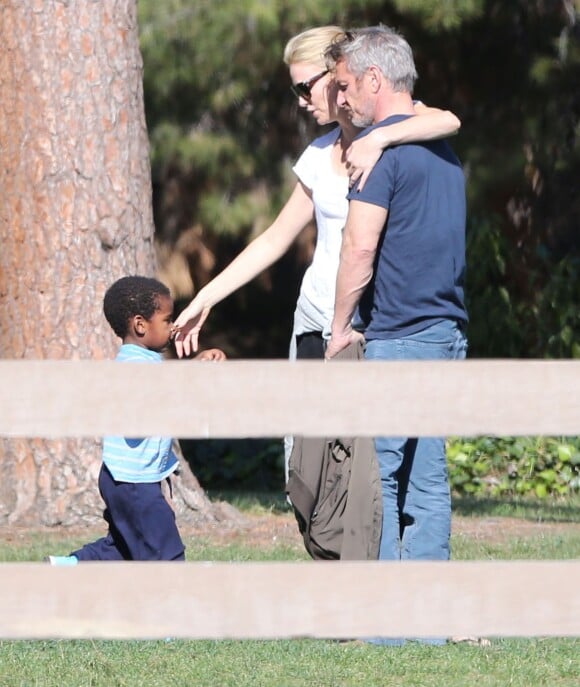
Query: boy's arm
{"type": "Point", "coordinates": [211, 354]}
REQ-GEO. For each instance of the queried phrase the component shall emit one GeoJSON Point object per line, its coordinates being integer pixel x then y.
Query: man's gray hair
{"type": "Point", "coordinates": [377, 46]}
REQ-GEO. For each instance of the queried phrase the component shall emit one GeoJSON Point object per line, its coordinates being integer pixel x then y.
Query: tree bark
{"type": "Point", "coordinates": [75, 215]}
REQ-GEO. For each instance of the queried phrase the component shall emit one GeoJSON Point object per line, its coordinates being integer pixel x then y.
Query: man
{"type": "Point", "coordinates": [403, 265]}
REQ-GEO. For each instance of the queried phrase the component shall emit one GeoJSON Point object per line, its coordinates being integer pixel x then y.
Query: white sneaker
{"type": "Point", "coordinates": [62, 560]}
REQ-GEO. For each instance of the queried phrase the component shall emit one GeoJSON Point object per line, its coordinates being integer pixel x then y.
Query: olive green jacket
{"type": "Point", "coordinates": [335, 489]}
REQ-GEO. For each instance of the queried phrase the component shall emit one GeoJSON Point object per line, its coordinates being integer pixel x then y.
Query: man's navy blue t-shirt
{"type": "Point", "coordinates": [419, 269]}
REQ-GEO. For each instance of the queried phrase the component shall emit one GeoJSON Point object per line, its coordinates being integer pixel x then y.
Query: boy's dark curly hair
{"type": "Point", "coordinates": [132, 296]}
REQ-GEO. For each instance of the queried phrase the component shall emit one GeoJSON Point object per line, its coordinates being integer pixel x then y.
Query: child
{"type": "Point", "coordinates": [141, 522]}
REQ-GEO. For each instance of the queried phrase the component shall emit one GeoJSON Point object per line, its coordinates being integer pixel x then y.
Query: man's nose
{"type": "Point", "coordinates": [340, 99]}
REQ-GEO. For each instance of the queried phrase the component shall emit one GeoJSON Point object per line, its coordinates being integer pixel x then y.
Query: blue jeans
{"type": "Point", "coordinates": [415, 483]}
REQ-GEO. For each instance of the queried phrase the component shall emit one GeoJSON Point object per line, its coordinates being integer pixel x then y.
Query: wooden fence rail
{"type": "Point", "coordinates": [274, 398]}
{"type": "Point", "coordinates": [284, 600]}
{"type": "Point", "coordinates": [274, 600]}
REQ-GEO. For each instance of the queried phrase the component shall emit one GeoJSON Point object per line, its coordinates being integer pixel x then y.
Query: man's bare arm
{"type": "Point", "coordinates": [363, 229]}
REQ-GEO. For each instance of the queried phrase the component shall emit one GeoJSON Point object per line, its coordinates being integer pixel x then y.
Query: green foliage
{"type": "Point", "coordinates": [521, 466]}
{"type": "Point", "coordinates": [226, 213]}
{"type": "Point", "coordinates": [212, 71]}
{"type": "Point", "coordinates": [556, 311]}
{"type": "Point", "coordinates": [238, 464]}
{"type": "Point", "coordinates": [523, 162]}
{"type": "Point", "coordinates": [438, 15]}
{"type": "Point", "coordinates": [546, 324]}
{"type": "Point", "coordinates": [494, 327]}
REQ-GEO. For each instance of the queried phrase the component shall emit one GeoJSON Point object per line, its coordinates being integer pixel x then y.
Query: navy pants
{"type": "Point", "coordinates": [141, 524]}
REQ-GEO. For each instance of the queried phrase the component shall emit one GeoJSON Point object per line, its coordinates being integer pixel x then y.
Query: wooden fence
{"type": "Point", "coordinates": [275, 600]}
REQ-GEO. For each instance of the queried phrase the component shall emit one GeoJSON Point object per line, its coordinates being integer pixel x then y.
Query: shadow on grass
{"type": "Point", "coordinates": [536, 510]}
{"type": "Point", "coordinates": [273, 502]}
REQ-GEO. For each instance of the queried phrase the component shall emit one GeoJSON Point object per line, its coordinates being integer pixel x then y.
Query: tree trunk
{"type": "Point", "coordinates": [75, 215]}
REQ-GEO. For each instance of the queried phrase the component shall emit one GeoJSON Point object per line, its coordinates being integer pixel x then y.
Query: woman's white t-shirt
{"type": "Point", "coordinates": [315, 306]}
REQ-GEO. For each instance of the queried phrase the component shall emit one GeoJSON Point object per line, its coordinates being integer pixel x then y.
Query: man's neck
{"type": "Point", "coordinates": [348, 129]}
{"type": "Point", "coordinates": [394, 104]}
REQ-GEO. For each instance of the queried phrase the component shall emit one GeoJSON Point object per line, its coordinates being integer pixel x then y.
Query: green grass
{"type": "Point", "coordinates": [290, 663]}
{"type": "Point", "coordinates": [564, 544]}
{"type": "Point", "coordinates": [537, 547]}
{"type": "Point", "coordinates": [535, 662]}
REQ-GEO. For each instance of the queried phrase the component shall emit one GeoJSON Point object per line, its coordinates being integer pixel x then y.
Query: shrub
{"type": "Point", "coordinates": [515, 466]}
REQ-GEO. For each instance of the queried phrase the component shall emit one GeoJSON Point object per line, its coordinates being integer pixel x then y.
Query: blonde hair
{"type": "Point", "coordinates": [309, 46]}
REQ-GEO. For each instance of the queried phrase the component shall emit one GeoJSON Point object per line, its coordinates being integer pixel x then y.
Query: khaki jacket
{"type": "Point", "coordinates": [335, 490]}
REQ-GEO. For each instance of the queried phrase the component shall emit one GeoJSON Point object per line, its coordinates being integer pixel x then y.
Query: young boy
{"type": "Point", "coordinates": [141, 522]}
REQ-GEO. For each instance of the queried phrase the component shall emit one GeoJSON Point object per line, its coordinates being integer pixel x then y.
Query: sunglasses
{"type": "Point", "coordinates": [304, 88]}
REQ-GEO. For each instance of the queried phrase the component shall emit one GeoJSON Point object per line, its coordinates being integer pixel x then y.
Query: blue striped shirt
{"type": "Point", "coordinates": [139, 460]}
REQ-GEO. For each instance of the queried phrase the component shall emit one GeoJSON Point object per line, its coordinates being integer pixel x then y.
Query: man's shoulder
{"type": "Point", "coordinates": [424, 153]}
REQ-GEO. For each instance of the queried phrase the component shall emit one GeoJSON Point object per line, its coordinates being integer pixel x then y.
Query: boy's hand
{"type": "Point", "coordinates": [211, 354]}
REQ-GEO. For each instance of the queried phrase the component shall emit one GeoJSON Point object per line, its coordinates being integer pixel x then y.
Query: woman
{"type": "Point", "coordinates": [323, 173]}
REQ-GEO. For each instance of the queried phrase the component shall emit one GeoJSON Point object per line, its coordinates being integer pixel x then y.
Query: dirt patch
{"type": "Point", "coordinates": [500, 529]}
{"type": "Point", "coordinates": [268, 530]}
{"type": "Point", "coordinates": [261, 531]}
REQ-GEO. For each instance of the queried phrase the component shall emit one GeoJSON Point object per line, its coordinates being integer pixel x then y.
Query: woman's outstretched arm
{"type": "Point", "coordinates": [262, 252]}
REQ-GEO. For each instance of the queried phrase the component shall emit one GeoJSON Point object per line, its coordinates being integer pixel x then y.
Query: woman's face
{"type": "Point", "coordinates": [321, 102]}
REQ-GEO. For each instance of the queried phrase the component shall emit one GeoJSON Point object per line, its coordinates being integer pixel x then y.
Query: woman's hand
{"type": "Point", "coordinates": [362, 156]}
{"type": "Point", "coordinates": [187, 327]}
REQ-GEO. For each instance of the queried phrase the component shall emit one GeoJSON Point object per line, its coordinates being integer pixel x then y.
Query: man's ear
{"type": "Point", "coordinates": [376, 78]}
{"type": "Point", "coordinates": [139, 325]}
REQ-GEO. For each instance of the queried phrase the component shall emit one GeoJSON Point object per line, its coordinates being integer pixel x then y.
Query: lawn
{"type": "Point", "coordinates": [482, 530]}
